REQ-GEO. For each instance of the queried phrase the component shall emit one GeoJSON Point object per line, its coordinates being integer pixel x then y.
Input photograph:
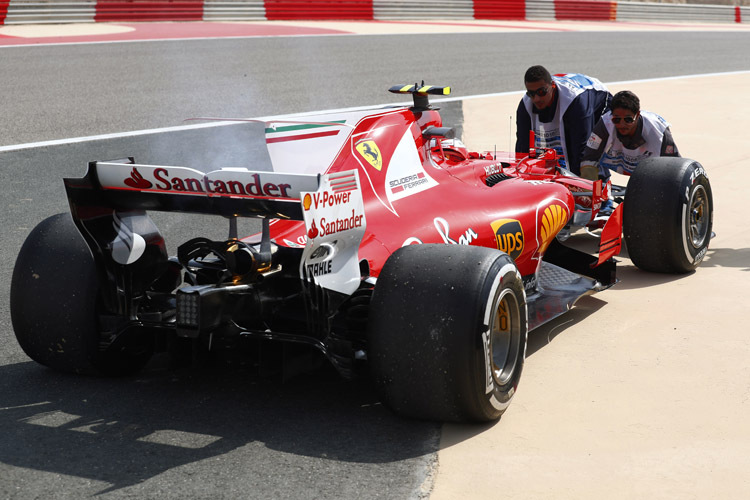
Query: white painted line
{"type": "Point", "coordinates": [41, 403]}
{"type": "Point", "coordinates": [117, 135]}
{"type": "Point", "coordinates": [623, 82]}
{"type": "Point", "coordinates": [136, 133]}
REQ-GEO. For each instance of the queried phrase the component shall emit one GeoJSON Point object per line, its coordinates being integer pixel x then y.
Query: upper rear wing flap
{"type": "Point", "coordinates": [125, 185]}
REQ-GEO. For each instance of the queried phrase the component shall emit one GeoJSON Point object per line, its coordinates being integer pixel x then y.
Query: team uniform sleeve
{"type": "Point", "coordinates": [580, 119]}
{"type": "Point", "coordinates": [576, 134]}
{"type": "Point", "coordinates": [668, 147]}
{"type": "Point", "coordinates": [523, 126]}
{"type": "Point", "coordinates": [593, 151]}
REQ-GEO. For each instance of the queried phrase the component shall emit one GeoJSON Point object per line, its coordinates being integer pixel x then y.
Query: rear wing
{"type": "Point", "coordinates": [109, 205]}
{"type": "Point", "coordinates": [124, 185]}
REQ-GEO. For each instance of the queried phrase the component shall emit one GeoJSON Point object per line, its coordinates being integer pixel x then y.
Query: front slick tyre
{"type": "Point", "coordinates": [448, 331]}
{"type": "Point", "coordinates": [668, 215]}
{"type": "Point", "coordinates": [54, 301]}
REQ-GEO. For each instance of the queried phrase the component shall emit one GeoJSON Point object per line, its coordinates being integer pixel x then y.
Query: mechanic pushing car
{"type": "Point", "coordinates": [623, 137]}
{"type": "Point", "coordinates": [562, 111]}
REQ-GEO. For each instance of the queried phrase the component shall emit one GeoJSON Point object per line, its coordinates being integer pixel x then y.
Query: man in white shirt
{"type": "Point", "coordinates": [624, 137]}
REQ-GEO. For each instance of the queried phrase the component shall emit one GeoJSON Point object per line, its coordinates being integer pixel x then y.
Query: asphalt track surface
{"type": "Point", "coordinates": [57, 92]}
{"type": "Point", "coordinates": [226, 433]}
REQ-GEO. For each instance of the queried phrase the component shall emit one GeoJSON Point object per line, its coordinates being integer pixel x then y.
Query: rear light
{"type": "Point", "coordinates": [188, 310]}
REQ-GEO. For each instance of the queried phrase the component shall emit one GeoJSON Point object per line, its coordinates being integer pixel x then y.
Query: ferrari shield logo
{"type": "Point", "coordinates": [370, 152]}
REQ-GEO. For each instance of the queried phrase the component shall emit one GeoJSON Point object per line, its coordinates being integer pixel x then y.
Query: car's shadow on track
{"type": "Point", "coordinates": [545, 334]}
{"type": "Point", "coordinates": [126, 431]}
{"type": "Point", "coordinates": [728, 257]}
{"type": "Point", "coordinates": [631, 277]}
{"type": "Point", "coordinates": [538, 339]}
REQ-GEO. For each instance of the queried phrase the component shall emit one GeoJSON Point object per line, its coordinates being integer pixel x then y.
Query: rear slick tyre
{"type": "Point", "coordinates": [54, 305]}
{"type": "Point", "coordinates": [448, 331]}
{"type": "Point", "coordinates": [668, 215]}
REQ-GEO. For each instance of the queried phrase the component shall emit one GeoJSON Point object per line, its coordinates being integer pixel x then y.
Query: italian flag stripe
{"type": "Point", "coordinates": [302, 126]}
{"type": "Point", "coordinates": [287, 138]}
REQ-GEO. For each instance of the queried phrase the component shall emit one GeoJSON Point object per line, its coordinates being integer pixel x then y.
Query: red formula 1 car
{"type": "Point", "coordinates": [384, 245]}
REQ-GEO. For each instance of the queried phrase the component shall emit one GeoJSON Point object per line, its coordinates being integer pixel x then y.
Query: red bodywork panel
{"type": "Point", "coordinates": [443, 195]}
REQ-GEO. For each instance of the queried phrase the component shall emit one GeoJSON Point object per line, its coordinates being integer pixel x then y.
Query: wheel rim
{"type": "Point", "coordinates": [505, 337]}
{"type": "Point", "coordinates": [698, 217]}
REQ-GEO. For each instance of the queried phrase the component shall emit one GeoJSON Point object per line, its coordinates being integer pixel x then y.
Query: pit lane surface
{"type": "Point", "coordinates": [58, 92]}
{"type": "Point", "coordinates": [194, 434]}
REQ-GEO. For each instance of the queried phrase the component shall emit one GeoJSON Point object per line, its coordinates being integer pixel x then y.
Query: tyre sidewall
{"type": "Point", "coordinates": [495, 399]}
{"type": "Point", "coordinates": [694, 178]}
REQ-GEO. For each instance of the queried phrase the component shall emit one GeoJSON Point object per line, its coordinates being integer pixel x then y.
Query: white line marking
{"type": "Point", "coordinates": [623, 82]}
{"type": "Point", "coordinates": [41, 403]}
{"type": "Point", "coordinates": [135, 133]}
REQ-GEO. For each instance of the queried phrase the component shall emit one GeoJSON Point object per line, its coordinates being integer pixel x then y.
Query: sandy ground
{"type": "Point", "coordinates": [642, 391]}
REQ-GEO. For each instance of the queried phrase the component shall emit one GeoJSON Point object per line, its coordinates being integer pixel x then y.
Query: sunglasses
{"type": "Point", "coordinates": [541, 92]}
{"type": "Point", "coordinates": [627, 119]}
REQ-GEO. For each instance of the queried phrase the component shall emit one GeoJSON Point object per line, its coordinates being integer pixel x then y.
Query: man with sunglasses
{"type": "Point", "coordinates": [561, 110]}
{"type": "Point", "coordinates": [625, 136]}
